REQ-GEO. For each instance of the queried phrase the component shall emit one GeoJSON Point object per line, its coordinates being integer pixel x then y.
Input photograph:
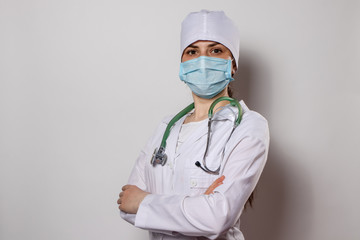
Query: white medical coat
{"type": "Point", "coordinates": [177, 207]}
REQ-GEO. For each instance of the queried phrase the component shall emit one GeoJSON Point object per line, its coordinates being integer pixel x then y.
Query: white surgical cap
{"type": "Point", "coordinates": [212, 26]}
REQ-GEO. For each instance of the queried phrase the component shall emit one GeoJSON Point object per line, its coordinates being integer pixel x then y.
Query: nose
{"type": "Point", "coordinates": [204, 52]}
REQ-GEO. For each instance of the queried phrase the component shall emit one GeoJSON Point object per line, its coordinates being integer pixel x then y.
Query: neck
{"type": "Point", "coordinates": [202, 106]}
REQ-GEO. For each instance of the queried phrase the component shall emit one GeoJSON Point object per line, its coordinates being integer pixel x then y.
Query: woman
{"type": "Point", "coordinates": [183, 197]}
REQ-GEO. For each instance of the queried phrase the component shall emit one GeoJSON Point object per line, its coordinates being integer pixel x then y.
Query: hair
{"type": "Point", "coordinates": [250, 200]}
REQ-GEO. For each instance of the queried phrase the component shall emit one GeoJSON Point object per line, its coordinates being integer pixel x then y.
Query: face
{"type": "Point", "coordinates": [209, 49]}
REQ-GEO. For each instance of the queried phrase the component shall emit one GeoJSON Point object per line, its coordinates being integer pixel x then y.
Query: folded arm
{"type": "Point", "coordinates": [207, 215]}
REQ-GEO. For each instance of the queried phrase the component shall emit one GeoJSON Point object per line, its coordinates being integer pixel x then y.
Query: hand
{"type": "Point", "coordinates": [214, 185]}
{"type": "Point", "coordinates": [130, 198]}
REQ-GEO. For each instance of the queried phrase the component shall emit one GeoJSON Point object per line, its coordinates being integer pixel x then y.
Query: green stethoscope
{"type": "Point", "coordinates": [159, 156]}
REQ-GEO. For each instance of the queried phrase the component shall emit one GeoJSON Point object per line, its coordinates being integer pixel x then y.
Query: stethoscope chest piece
{"type": "Point", "coordinates": [159, 157]}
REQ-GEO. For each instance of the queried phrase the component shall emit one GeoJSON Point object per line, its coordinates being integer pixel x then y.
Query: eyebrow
{"type": "Point", "coordinates": [210, 45]}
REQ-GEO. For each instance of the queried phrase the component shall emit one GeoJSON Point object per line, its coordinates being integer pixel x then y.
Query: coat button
{"type": "Point", "coordinates": [193, 182]}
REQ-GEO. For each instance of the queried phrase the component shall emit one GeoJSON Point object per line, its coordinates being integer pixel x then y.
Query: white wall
{"type": "Point", "coordinates": [84, 83]}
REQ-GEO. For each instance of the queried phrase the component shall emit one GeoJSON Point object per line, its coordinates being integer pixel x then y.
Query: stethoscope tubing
{"type": "Point", "coordinates": [159, 155]}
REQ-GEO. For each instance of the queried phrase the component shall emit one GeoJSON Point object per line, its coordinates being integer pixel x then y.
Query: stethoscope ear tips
{"type": "Point", "coordinates": [216, 172]}
{"type": "Point", "coordinates": [198, 164]}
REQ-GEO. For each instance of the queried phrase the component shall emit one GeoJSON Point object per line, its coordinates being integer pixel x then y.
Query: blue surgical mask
{"type": "Point", "coordinates": [206, 76]}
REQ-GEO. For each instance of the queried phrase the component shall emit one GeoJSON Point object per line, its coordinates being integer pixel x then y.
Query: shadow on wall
{"type": "Point", "coordinates": [276, 210]}
{"type": "Point", "coordinates": [266, 219]}
{"type": "Point", "coordinates": [252, 84]}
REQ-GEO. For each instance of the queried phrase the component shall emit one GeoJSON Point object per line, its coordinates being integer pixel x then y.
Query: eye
{"type": "Point", "coordinates": [191, 52]}
{"type": "Point", "coordinates": [216, 51]}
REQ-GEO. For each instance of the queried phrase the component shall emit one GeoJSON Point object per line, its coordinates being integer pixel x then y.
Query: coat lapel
{"type": "Point", "coordinates": [173, 138]}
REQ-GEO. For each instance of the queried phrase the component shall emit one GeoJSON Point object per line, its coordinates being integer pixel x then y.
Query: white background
{"type": "Point", "coordinates": [84, 83]}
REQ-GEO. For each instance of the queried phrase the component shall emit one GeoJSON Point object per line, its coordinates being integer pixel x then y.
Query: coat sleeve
{"type": "Point", "coordinates": [137, 175]}
{"type": "Point", "coordinates": [136, 178]}
{"type": "Point", "coordinates": [208, 215]}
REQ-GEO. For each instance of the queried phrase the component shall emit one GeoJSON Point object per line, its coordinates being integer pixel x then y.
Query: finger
{"type": "Point", "coordinates": [212, 188]}
{"type": "Point", "coordinates": [217, 182]}
{"type": "Point", "coordinates": [208, 191]}
{"type": "Point", "coordinates": [121, 207]}
{"type": "Point", "coordinates": [214, 185]}
{"type": "Point", "coordinates": [125, 187]}
{"type": "Point", "coordinates": [220, 179]}
{"type": "Point", "coordinates": [121, 194]}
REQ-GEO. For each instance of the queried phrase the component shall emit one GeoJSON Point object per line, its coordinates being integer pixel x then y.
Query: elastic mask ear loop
{"type": "Point", "coordinates": [232, 68]}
